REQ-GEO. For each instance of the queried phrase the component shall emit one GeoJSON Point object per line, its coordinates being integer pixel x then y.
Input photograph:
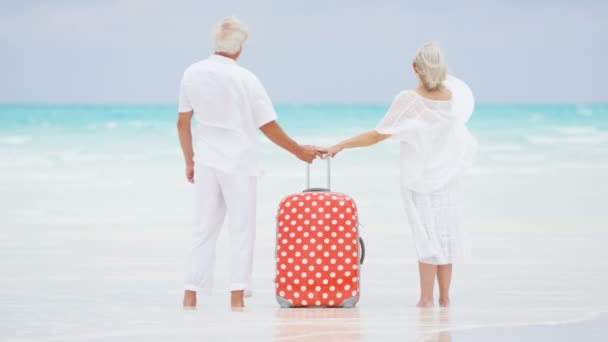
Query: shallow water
{"type": "Point", "coordinates": [110, 285]}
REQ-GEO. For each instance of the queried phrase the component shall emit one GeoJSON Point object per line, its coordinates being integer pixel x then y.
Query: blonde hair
{"type": "Point", "coordinates": [430, 63]}
{"type": "Point", "coordinates": [229, 35]}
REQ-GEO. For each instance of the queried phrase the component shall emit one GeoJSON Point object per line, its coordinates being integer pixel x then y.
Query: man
{"type": "Point", "coordinates": [228, 104]}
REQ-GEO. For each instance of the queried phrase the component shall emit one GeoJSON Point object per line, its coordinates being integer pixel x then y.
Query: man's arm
{"type": "Point", "coordinates": [185, 140]}
{"type": "Point", "coordinates": [275, 133]}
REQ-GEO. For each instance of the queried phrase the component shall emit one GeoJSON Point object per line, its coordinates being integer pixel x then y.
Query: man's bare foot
{"type": "Point", "coordinates": [189, 300]}
{"type": "Point", "coordinates": [236, 299]}
{"type": "Point", "coordinates": [444, 302]}
{"type": "Point", "coordinates": [425, 303]}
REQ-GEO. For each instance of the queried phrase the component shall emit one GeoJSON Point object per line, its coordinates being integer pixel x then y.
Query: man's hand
{"type": "Point", "coordinates": [308, 153]}
{"type": "Point", "coordinates": [190, 173]}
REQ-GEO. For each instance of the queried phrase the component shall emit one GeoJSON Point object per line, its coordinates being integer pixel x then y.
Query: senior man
{"type": "Point", "coordinates": [228, 104]}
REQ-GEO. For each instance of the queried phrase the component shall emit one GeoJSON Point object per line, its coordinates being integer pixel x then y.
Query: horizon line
{"type": "Point", "coordinates": [304, 103]}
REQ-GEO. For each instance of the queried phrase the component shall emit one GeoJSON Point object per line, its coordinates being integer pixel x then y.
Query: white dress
{"type": "Point", "coordinates": [436, 149]}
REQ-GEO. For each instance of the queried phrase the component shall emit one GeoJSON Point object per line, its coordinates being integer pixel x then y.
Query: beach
{"type": "Point", "coordinates": [95, 220]}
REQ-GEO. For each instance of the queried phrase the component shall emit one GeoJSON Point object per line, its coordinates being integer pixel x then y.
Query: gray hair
{"type": "Point", "coordinates": [430, 63]}
{"type": "Point", "coordinates": [229, 35]}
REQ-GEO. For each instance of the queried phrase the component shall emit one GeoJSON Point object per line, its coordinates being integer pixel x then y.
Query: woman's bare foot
{"type": "Point", "coordinates": [189, 300]}
{"type": "Point", "coordinates": [425, 303]}
{"type": "Point", "coordinates": [444, 302]}
{"type": "Point", "coordinates": [236, 299]}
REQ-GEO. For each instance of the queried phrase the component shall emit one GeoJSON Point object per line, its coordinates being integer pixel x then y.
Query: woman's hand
{"type": "Point", "coordinates": [334, 150]}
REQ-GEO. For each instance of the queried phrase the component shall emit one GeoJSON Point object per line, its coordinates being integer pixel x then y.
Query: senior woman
{"type": "Point", "coordinates": [436, 148]}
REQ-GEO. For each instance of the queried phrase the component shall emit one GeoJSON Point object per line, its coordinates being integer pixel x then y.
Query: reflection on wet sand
{"type": "Point", "coordinates": [301, 324]}
{"type": "Point", "coordinates": [434, 325]}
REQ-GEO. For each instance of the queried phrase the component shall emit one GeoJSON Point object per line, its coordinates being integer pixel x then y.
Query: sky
{"type": "Point", "coordinates": [314, 51]}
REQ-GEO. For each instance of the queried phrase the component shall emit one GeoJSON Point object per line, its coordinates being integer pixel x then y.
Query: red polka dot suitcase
{"type": "Point", "coordinates": [318, 251]}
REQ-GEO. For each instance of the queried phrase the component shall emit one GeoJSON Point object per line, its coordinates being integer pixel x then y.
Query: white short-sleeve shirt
{"type": "Point", "coordinates": [229, 105]}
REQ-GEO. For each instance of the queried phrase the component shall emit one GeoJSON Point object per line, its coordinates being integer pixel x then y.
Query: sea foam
{"type": "Point", "coordinates": [15, 139]}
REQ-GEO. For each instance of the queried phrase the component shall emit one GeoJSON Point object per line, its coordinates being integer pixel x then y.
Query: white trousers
{"type": "Point", "coordinates": [216, 194]}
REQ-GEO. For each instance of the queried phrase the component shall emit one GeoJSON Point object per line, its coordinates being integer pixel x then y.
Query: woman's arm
{"type": "Point", "coordinates": [400, 105]}
{"type": "Point", "coordinates": [361, 140]}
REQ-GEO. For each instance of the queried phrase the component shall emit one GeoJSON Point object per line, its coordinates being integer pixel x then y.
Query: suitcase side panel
{"type": "Point", "coordinates": [317, 250]}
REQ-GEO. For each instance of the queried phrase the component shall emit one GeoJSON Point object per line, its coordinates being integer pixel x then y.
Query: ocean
{"type": "Point", "coordinates": [100, 151]}
{"type": "Point", "coordinates": [95, 214]}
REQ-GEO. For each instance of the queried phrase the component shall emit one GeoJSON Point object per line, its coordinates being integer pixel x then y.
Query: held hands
{"type": "Point", "coordinates": [308, 153]}
{"type": "Point", "coordinates": [332, 151]}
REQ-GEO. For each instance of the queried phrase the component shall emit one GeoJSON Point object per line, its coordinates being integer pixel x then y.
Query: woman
{"type": "Point", "coordinates": [436, 148]}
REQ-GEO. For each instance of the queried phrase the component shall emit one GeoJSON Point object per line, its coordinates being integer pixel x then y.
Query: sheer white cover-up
{"type": "Point", "coordinates": [436, 149]}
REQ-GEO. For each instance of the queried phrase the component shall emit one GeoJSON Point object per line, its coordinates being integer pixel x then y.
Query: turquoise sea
{"type": "Point", "coordinates": [512, 137]}
{"type": "Point", "coordinates": [45, 148]}
{"type": "Point", "coordinates": [95, 216]}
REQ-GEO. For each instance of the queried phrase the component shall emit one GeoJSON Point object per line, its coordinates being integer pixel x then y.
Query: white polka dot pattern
{"type": "Point", "coordinates": [317, 249]}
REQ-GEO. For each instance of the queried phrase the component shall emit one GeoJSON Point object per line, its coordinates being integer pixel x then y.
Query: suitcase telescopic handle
{"type": "Point", "coordinates": [308, 188]}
